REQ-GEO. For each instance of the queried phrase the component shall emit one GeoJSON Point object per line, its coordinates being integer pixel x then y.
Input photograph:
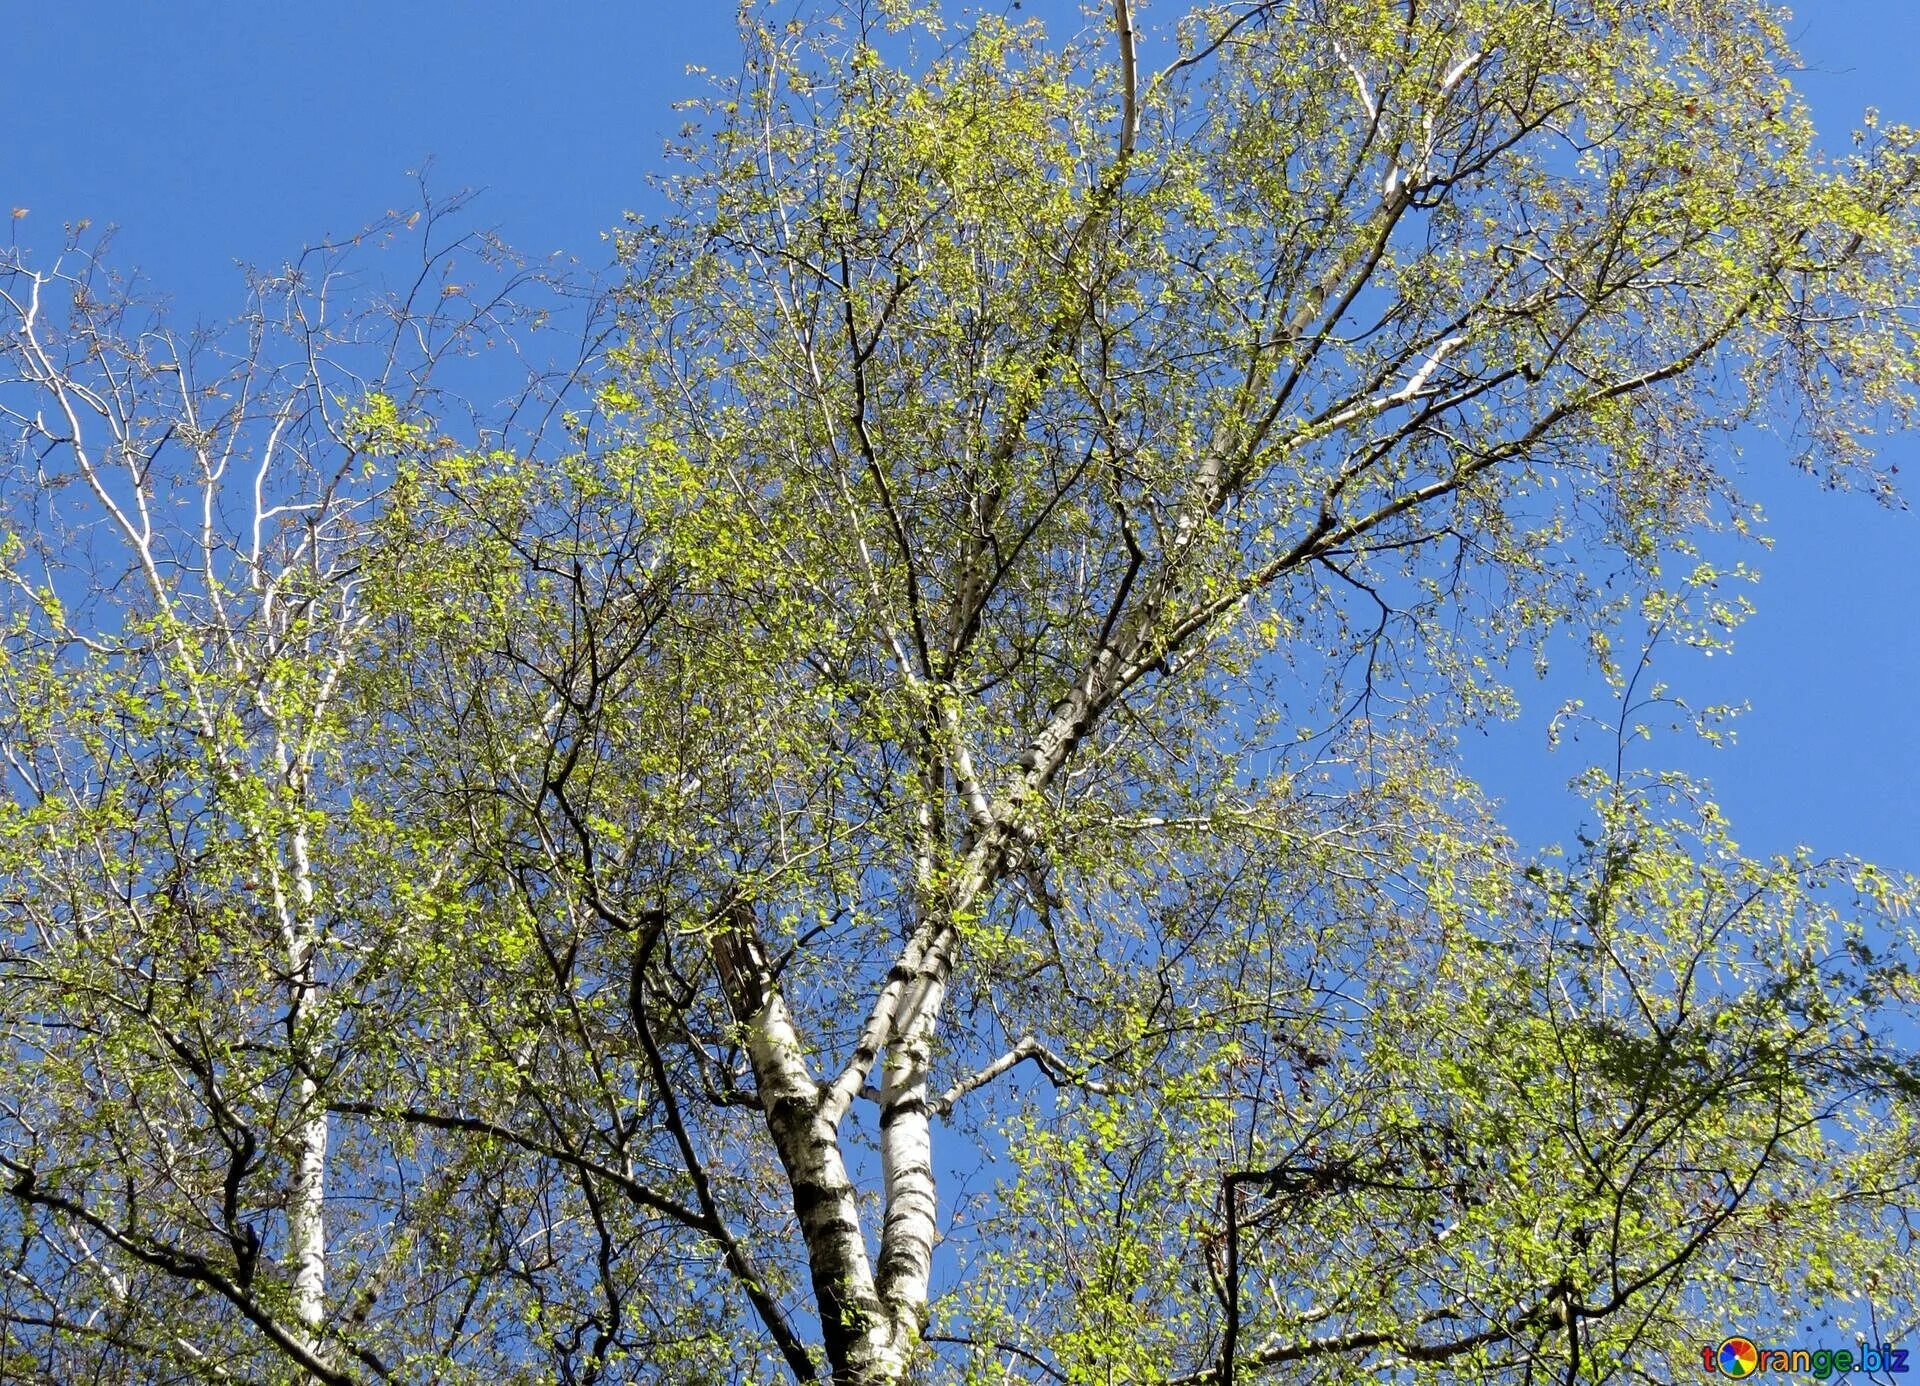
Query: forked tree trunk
{"type": "Point", "coordinates": [862, 1346]}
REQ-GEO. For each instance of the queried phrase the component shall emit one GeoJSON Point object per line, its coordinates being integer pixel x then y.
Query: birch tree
{"type": "Point", "coordinates": [181, 552]}
{"type": "Point", "coordinates": [1153, 461]}
{"type": "Point", "coordinates": [918, 835]}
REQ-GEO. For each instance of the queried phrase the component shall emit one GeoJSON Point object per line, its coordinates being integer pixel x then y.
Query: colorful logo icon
{"type": "Point", "coordinates": [1738, 1357]}
{"type": "Point", "coordinates": [1741, 1357]}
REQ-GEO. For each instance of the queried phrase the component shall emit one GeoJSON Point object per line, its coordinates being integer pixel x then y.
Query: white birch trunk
{"type": "Point", "coordinates": [306, 1206]}
{"type": "Point", "coordinates": [859, 1335]}
{"type": "Point", "coordinates": [906, 1131]}
{"type": "Point", "coordinates": [906, 1159]}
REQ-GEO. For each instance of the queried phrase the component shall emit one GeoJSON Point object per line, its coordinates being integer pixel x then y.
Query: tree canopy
{"type": "Point", "coordinates": [896, 815]}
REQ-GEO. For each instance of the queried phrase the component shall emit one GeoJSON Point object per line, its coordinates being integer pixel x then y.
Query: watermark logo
{"type": "Point", "coordinates": [1739, 1357]}
{"type": "Point", "coordinates": [1735, 1357]}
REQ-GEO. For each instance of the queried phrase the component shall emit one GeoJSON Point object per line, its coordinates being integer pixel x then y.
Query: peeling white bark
{"type": "Point", "coordinates": [906, 1136]}
{"type": "Point", "coordinates": [306, 1210]}
{"type": "Point", "coordinates": [857, 1331]}
{"type": "Point", "coordinates": [906, 1162]}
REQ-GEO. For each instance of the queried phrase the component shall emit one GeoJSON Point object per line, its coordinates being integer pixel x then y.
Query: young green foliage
{"type": "Point", "coordinates": [924, 839]}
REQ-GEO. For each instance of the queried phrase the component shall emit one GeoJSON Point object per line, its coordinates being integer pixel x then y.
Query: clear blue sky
{"type": "Point", "coordinates": [215, 133]}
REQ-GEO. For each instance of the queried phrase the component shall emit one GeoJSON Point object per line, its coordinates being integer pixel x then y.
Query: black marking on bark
{"type": "Point", "coordinates": [905, 1106]}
